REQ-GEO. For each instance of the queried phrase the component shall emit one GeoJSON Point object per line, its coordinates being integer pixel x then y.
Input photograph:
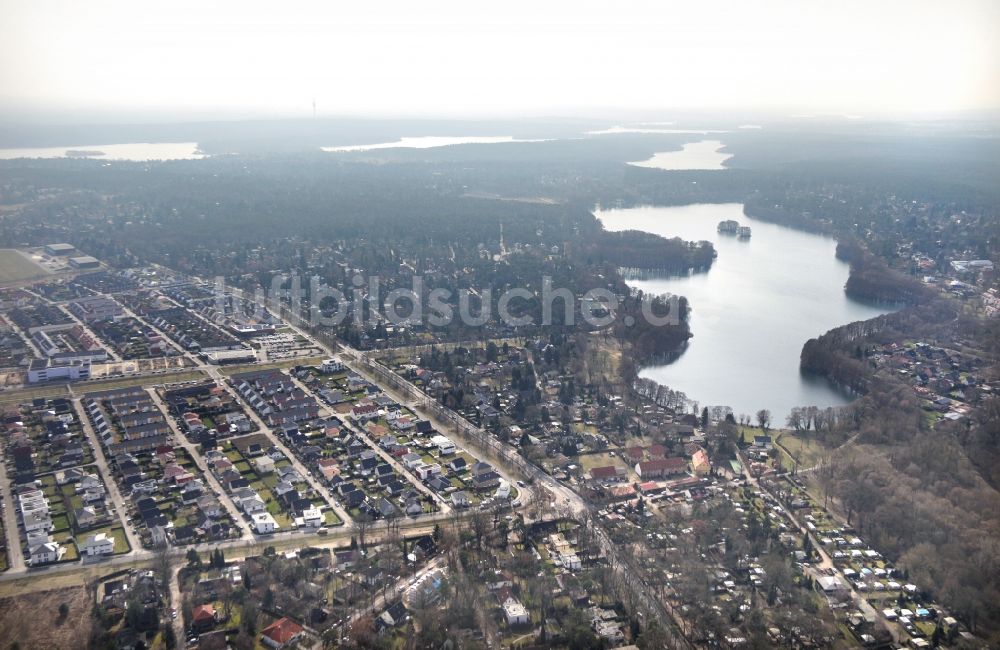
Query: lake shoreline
{"type": "Point", "coordinates": [788, 287]}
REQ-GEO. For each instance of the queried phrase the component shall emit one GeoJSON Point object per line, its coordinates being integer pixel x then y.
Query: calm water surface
{"type": "Point", "coordinates": [752, 311]}
{"type": "Point", "coordinates": [704, 155]}
{"type": "Point", "coordinates": [140, 151]}
{"type": "Point", "coordinates": [428, 142]}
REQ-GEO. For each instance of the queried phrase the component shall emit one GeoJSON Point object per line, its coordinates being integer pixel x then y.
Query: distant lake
{"type": "Point", "coordinates": [651, 127]}
{"type": "Point", "coordinates": [140, 151]}
{"type": "Point", "coordinates": [694, 155]}
{"type": "Point", "coordinates": [428, 142]}
{"type": "Point", "coordinates": [752, 311]}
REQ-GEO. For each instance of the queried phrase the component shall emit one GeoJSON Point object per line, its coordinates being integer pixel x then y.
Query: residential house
{"type": "Point", "coordinates": [210, 506]}
{"type": "Point", "coordinates": [264, 464]}
{"type": "Point", "coordinates": [700, 463]}
{"type": "Point", "coordinates": [514, 612]}
{"type": "Point", "coordinates": [264, 523]}
{"type": "Point", "coordinates": [203, 617]}
{"type": "Point", "coordinates": [44, 553]}
{"type": "Point", "coordinates": [99, 544]}
{"type": "Point", "coordinates": [395, 615]}
{"type": "Point", "coordinates": [608, 473]}
{"type": "Point", "coordinates": [329, 467]}
{"type": "Point", "coordinates": [661, 467]}
{"type": "Point", "coordinates": [281, 634]}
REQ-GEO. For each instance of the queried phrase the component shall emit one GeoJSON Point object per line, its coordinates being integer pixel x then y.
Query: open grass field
{"type": "Point", "coordinates": [59, 390]}
{"type": "Point", "coordinates": [15, 267]}
{"type": "Point", "coordinates": [590, 461]}
{"type": "Point", "coordinates": [33, 620]}
{"type": "Point", "coordinates": [806, 450]}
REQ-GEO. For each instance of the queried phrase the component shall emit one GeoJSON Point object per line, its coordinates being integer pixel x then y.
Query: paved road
{"type": "Point", "coordinates": [826, 562]}
{"type": "Point", "coordinates": [107, 476]}
{"type": "Point", "coordinates": [175, 603]}
{"type": "Point", "coordinates": [565, 497]}
{"type": "Point", "coordinates": [86, 328]}
{"type": "Point", "coordinates": [199, 462]}
{"type": "Point", "coordinates": [416, 483]}
{"type": "Point", "coordinates": [396, 590]}
{"type": "Point", "coordinates": [323, 492]}
{"type": "Point", "coordinates": [15, 556]}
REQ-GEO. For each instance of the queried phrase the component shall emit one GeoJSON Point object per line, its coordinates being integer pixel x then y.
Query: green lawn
{"type": "Point", "coordinates": [15, 267]}
{"type": "Point", "coordinates": [71, 553]}
{"type": "Point", "coordinates": [116, 532]}
{"type": "Point", "coordinates": [801, 446]}
{"type": "Point", "coordinates": [590, 461]}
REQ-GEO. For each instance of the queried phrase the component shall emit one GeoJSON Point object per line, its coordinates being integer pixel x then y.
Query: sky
{"type": "Point", "coordinates": [475, 58]}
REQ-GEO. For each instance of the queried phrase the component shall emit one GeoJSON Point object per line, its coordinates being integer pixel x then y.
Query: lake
{"type": "Point", "coordinates": [139, 151]}
{"type": "Point", "coordinates": [652, 128]}
{"type": "Point", "coordinates": [428, 142]}
{"type": "Point", "coordinates": [694, 155]}
{"type": "Point", "coordinates": [752, 311]}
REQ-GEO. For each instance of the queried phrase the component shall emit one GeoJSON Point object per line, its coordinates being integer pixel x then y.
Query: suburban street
{"type": "Point", "coordinates": [192, 449]}
{"type": "Point", "coordinates": [15, 556]}
{"type": "Point", "coordinates": [107, 477]}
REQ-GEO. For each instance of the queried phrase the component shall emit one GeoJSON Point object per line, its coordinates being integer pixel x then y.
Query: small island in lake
{"type": "Point", "coordinates": [732, 227]}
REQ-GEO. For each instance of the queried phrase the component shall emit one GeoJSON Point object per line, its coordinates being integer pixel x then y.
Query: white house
{"type": "Point", "coordinates": [515, 612]}
{"type": "Point", "coordinates": [252, 505]}
{"type": "Point", "coordinates": [569, 560]}
{"type": "Point", "coordinates": [37, 520]}
{"type": "Point", "coordinates": [444, 445]}
{"type": "Point", "coordinates": [99, 544]}
{"type": "Point", "coordinates": [264, 523]}
{"type": "Point", "coordinates": [425, 472]}
{"type": "Point", "coordinates": [264, 464]}
{"type": "Point", "coordinates": [44, 553]}
{"type": "Point", "coordinates": [312, 517]}
{"type": "Point", "coordinates": [210, 506]}
{"type": "Point", "coordinates": [331, 366]}
{"type": "Point", "coordinates": [412, 460]}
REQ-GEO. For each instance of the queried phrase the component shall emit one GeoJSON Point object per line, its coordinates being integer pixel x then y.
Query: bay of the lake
{"type": "Point", "coordinates": [762, 299]}
{"type": "Point", "coordinates": [703, 155]}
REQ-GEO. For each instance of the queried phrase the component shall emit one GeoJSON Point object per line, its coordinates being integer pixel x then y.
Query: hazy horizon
{"type": "Point", "coordinates": [106, 61]}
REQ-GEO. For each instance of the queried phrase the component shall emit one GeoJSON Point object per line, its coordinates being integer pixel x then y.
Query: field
{"type": "Point", "coordinates": [235, 369]}
{"type": "Point", "coordinates": [33, 620]}
{"type": "Point", "coordinates": [804, 448]}
{"type": "Point", "coordinates": [15, 267]}
{"type": "Point", "coordinates": [60, 390]}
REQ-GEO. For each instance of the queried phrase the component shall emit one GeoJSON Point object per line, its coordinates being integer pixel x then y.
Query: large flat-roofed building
{"type": "Point", "coordinates": [84, 262]}
{"type": "Point", "coordinates": [222, 357]}
{"type": "Point", "coordinates": [47, 370]}
{"type": "Point", "coordinates": [60, 250]}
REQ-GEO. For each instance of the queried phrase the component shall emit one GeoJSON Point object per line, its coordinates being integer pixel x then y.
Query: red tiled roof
{"type": "Point", "coordinates": [622, 491]}
{"type": "Point", "coordinates": [202, 613]}
{"type": "Point", "coordinates": [282, 630]}
{"type": "Point", "coordinates": [635, 452]}
{"type": "Point", "coordinates": [663, 465]}
{"type": "Point", "coordinates": [607, 471]}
